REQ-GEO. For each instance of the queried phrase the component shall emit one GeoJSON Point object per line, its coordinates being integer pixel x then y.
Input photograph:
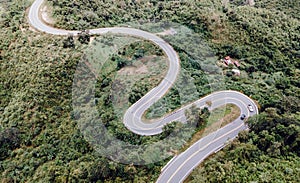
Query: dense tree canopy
{"type": "Point", "coordinates": [39, 136]}
{"type": "Point", "coordinates": [269, 152]}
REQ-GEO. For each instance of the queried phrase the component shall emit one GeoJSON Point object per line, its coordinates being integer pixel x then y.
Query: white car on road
{"type": "Point", "coordinates": [250, 107]}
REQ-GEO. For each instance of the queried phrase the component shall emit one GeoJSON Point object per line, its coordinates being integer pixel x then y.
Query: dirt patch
{"type": "Point", "coordinates": [92, 38]}
{"type": "Point", "coordinates": [170, 31]}
{"type": "Point", "coordinates": [141, 67]}
{"type": "Point", "coordinates": [132, 70]}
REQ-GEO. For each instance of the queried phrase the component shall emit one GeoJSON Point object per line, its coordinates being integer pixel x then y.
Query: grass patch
{"type": "Point", "coordinates": [127, 69]}
{"type": "Point", "coordinates": [218, 118]}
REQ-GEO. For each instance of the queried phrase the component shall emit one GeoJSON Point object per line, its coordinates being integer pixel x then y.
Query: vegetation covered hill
{"type": "Point", "coordinates": [40, 141]}
{"type": "Point", "coordinates": [269, 152]}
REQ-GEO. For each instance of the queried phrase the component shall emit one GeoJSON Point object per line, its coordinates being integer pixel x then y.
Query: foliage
{"type": "Point", "coordinates": [39, 137]}
{"type": "Point", "coordinates": [84, 37]}
{"type": "Point", "coordinates": [197, 116]}
{"type": "Point", "coordinates": [269, 152]}
{"type": "Point", "coordinates": [9, 140]}
{"type": "Point", "coordinates": [69, 42]}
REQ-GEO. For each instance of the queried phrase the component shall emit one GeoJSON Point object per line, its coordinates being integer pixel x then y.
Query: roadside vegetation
{"type": "Point", "coordinates": [269, 152]}
{"type": "Point", "coordinates": [124, 74]}
{"type": "Point", "coordinates": [39, 136]}
{"type": "Point", "coordinates": [209, 121]}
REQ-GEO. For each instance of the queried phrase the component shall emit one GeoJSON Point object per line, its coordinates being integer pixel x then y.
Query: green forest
{"type": "Point", "coordinates": [40, 140]}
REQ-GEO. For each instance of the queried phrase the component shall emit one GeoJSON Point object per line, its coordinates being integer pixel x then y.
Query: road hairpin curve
{"type": "Point", "coordinates": [180, 166]}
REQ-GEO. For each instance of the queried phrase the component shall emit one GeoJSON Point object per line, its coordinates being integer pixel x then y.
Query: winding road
{"type": "Point", "coordinates": [182, 165]}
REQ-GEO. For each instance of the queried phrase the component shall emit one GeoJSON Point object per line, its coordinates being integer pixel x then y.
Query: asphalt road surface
{"type": "Point", "coordinates": [182, 165]}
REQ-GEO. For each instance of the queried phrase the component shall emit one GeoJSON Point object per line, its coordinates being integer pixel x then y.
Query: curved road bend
{"type": "Point", "coordinates": [178, 169]}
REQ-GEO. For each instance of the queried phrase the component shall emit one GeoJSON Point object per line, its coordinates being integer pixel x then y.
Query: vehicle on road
{"type": "Point", "coordinates": [181, 166]}
{"type": "Point", "coordinates": [250, 107]}
{"type": "Point", "coordinates": [243, 116]}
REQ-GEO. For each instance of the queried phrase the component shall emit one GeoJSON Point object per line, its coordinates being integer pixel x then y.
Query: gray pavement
{"type": "Point", "coordinates": [180, 166]}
